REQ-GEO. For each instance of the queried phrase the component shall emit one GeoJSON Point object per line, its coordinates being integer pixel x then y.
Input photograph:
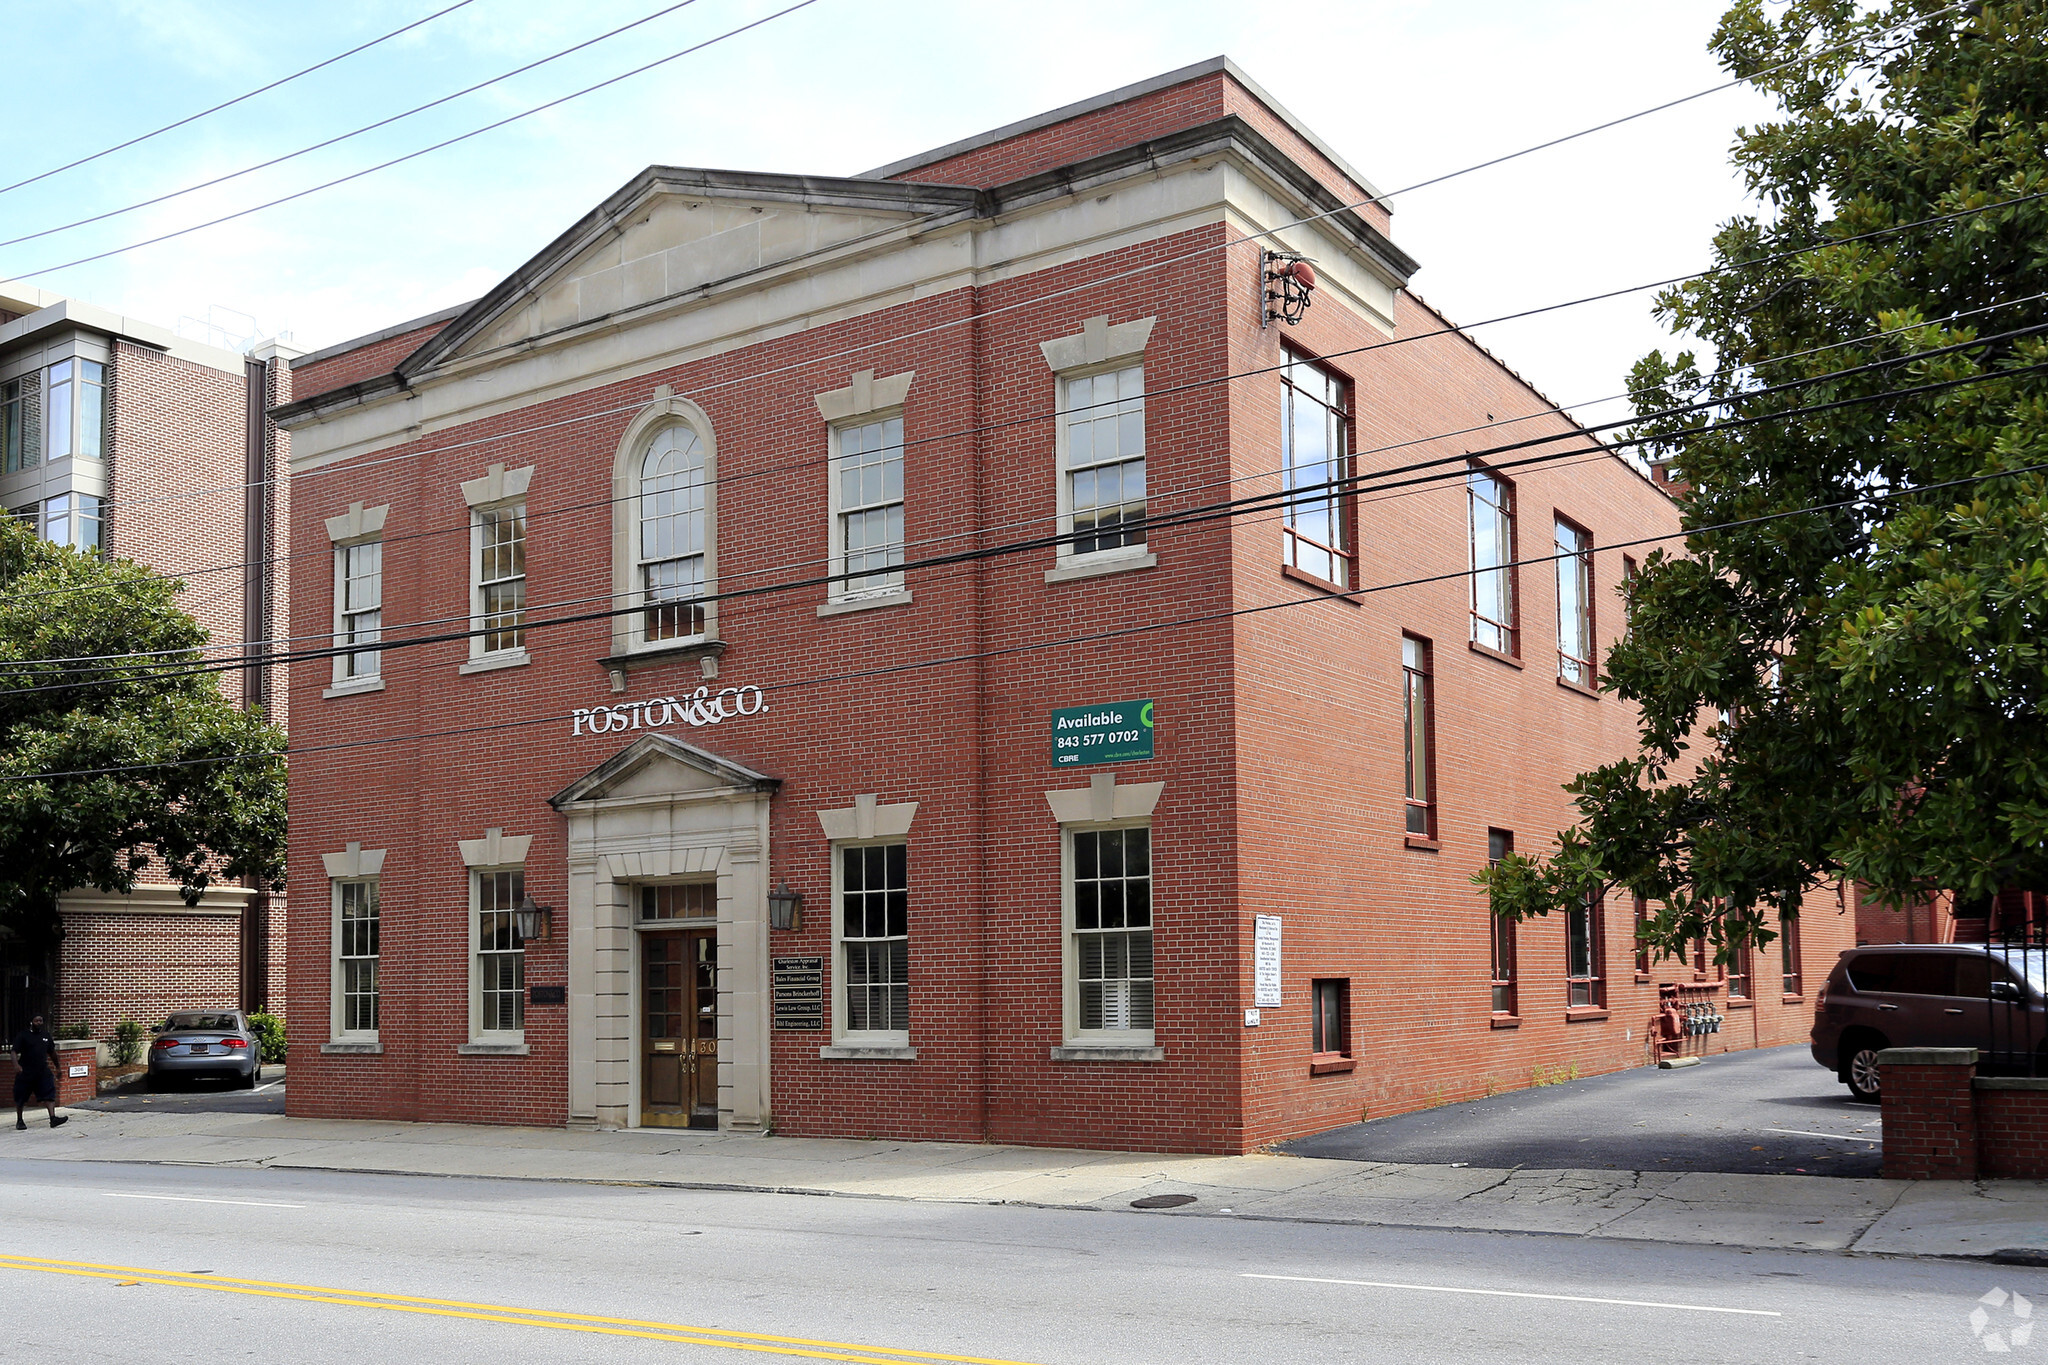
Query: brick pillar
{"type": "Point", "coordinates": [1930, 1120]}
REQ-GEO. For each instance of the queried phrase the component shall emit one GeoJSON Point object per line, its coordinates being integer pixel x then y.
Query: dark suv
{"type": "Point", "coordinates": [1931, 995]}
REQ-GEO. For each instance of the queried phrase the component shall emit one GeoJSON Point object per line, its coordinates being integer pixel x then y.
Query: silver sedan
{"type": "Point", "coordinates": [205, 1043]}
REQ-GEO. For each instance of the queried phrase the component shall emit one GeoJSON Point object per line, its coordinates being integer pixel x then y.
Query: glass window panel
{"type": "Point", "coordinates": [874, 919]}
{"type": "Point", "coordinates": [58, 415]}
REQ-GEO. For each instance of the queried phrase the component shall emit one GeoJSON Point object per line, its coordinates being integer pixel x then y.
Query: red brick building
{"type": "Point", "coordinates": [966, 549]}
{"type": "Point", "coordinates": [120, 435]}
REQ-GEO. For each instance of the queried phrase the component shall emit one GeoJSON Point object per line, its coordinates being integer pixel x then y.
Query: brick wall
{"type": "Point", "coordinates": [1278, 747]}
{"type": "Point", "coordinates": [179, 470]}
{"type": "Point", "coordinates": [2012, 1128]}
{"type": "Point", "coordinates": [365, 362]}
{"type": "Point", "coordinates": [141, 967]}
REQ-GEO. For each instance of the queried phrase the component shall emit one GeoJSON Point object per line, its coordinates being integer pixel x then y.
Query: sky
{"type": "Point", "coordinates": [1404, 91]}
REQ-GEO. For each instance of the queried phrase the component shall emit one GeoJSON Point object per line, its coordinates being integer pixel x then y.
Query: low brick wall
{"type": "Point", "coordinates": [1942, 1121]}
{"type": "Point", "coordinates": [70, 1053]}
{"type": "Point", "coordinates": [2012, 1127]}
{"type": "Point", "coordinates": [77, 1055]}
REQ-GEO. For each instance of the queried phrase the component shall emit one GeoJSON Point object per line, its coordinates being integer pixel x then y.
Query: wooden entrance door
{"type": "Point", "coordinates": [679, 1029]}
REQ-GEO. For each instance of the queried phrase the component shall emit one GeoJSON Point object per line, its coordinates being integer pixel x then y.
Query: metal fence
{"type": "Point", "coordinates": [2016, 982]}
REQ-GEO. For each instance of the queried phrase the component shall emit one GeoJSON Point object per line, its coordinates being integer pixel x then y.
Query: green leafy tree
{"type": "Point", "coordinates": [1854, 691]}
{"type": "Point", "coordinates": [197, 784]}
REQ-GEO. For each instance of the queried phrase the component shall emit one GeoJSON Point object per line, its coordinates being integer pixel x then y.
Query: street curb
{"type": "Point", "coordinates": [733, 1187]}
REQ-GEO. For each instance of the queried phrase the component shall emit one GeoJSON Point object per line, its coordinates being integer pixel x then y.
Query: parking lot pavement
{"type": "Point", "coordinates": [1771, 1112]}
{"type": "Point", "coordinates": [202, 1096]}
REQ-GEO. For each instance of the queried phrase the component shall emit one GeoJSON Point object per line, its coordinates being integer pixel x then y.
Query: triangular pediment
{"type": "Point", "coordinates": [675, 232]}
{"type": "Point", "coordinates": [658, 766]}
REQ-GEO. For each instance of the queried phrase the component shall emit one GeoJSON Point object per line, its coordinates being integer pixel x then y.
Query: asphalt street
{"type": "Point", "coordinates": [204, 1094]}
{"type": "Point", "coordinates": [140, 1263]}
{"type": "Point", "coordinates": [1764, 1113]}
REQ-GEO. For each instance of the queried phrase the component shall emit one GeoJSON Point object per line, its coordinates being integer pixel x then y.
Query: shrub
{"type": "Point", "coordinates": [127, 1042]}
{"type": "Point", "coordinates": [74, 1032]}
{"type": "Point", "coordinates": [269, 1031]}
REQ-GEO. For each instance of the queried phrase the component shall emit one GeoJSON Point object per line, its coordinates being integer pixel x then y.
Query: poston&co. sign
{"type": "Point", "coordinates": [1116, 732]}
{"type": "Point", "coordinates": [702, 707]}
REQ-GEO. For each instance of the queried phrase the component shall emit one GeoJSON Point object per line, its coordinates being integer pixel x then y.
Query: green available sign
{"type": "Point", "coordinates": [1114, 732]}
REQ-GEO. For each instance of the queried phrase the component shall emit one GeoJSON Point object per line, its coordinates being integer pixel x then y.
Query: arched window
{"type": "Point", "coordinates": [670, 546]}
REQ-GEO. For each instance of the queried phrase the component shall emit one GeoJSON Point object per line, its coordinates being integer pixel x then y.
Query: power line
{"type": "Point", "coordinates": [344, 137]}
{"type": "Point", "coordinates": [1334, 488]}
{"type": "Point", "coordinates": [1189, 517]}
{"type": "Point", "coordinates": [453, 528]}
{"type": "Point", "coordinates": [1095, 637]}
{"type": "Point", "coordinates": [227, 104]}
{"type": "Point", "coordinates": [1446, 330]}
{"type": "Point", "coordinates": [1342, 487]}
{"type": "Point", "coordinates": [410, 156]}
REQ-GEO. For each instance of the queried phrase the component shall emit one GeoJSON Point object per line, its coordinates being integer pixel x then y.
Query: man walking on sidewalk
{"type": "Point", "coordinates": [33, 1049]}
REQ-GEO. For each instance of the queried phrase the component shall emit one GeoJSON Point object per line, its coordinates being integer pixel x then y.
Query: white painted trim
{"type": "Point", "coordinates": [666, 410]}
{"type": "Point", "coordinates": [496, 485]}
{"type": "Point", "coordinates": [866, 1040]}
{"type": "Point", "coordinates": [490, 1040]}
{"type": "Point", "coordinates": [1105, 801]}
{"type": "Point", "coordinates": [1098, 343]}
{"type": "Point", "coordinates": [491, 663]}
{"type": "Point", "coordinates": [843, 606]}
{"type": "Point", "coordinates": [1072, 1035]}
{"type": "Point", "coordinates": [358, 524]}
{"type": "Point", "coordinates": [365, 868]}
{"type": "Point", "coordinates": [496, 850]}
{"type": "Point", "coordinates": [354, 862]}
{"type": "Point", "coordinates": [1119, 560]}
{"type": "Point", "coordinates": [866, 397]}
{"type": "Point", "coordinates": [349, 687]}
{"type": "Point", "coordinates": [835, 527]}
{"type": "Point", "coordinates": [866, 820]}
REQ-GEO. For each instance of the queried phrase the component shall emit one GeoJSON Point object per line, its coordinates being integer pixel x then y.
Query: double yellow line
{"type": "Point", "coordinates": [760, 1342]}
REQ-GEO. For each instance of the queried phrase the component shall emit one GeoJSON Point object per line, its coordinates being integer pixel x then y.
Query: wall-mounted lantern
{"type": "Point", "coordinates": [785, 907]}
{"type": "Point", "coordinates": [531, 919]}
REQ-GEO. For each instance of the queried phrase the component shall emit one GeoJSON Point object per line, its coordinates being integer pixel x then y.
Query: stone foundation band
{"type": "Point", "coordinates": [702, 707]}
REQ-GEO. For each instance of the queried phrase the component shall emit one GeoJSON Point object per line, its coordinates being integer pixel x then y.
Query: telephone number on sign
{"type": "Point", "coordinates": [1099, 737]}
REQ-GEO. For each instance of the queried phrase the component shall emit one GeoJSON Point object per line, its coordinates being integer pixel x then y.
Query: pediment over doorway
{"type": "Point", "coordinates": [658, 766]}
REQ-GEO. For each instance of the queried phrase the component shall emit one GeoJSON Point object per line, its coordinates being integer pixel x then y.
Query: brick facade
{"type": "Point", "coordinates": [1278, 748]}
{"type": "Point", "coordinates": [1943, 1121]}
{"type": "Point", "coordinates": [193, 481]}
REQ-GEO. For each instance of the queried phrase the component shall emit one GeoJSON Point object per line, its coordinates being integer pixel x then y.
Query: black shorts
{"type": "Point", "coordinates": [38, 1084]}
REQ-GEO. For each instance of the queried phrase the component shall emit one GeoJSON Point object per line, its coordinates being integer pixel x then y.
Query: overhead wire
{"type": "Point", "coordinates": [1277, 500]}
{"type": "Point", "coordinates": [1048, 415]}
{"type": "Point", "coordinates": [1578, 429]}
{"type": "Point", "coordinates": [415, 155]}
{"type": "Point", "coordinates": [344, 137]}
{"type": "Point", "coordinates": [1119, 632]}
{"type": "Point", "coordinates": [229, 104]}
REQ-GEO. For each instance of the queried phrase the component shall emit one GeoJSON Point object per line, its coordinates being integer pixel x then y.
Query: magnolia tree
{"type": "Point", "coordinates": [1842, 673]}
{"type": "Point", "coordinates": [108, 763]}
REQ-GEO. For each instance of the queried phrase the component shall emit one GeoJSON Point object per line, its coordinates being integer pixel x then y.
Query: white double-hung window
{"type": "Point", "coordinates": [498, 997]}
{"type": "Point", "coordinates": [672, 520]}
{"type": "Point", "coordinates": [358, 608]}
{"type": "Point", "coordinates": [498, 605]}
{"type": "Point", "coordinates": [1102, 423]}
{"type": "Point", "coordinates": [1109, 887]}
{"type": "Point", "coordinates": [867, 511]}
{"type": "Point", "coordinates": [873, 932]}
{"type": "Point", "coordinates": [356, 955]}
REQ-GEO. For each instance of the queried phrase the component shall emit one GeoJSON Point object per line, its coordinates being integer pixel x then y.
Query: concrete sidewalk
{"type": "Point", "coordinates": [1778, 1211]}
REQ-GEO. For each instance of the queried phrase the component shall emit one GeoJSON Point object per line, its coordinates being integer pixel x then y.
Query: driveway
{"type": "Point", "coordinates": [205, 1095]}
{"type": "Point", "coordinates": [1761, 1113]}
